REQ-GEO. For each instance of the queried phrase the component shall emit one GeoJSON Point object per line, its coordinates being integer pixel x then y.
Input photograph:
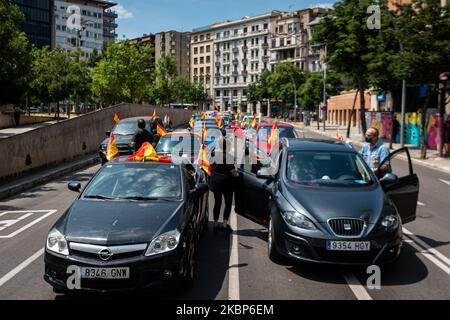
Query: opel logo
{"type": "Point", "coordinates": [347, 227]}
{"type": "Point", "coordinates": [105, 254]}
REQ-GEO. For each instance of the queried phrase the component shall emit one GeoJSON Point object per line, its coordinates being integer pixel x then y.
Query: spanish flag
{"type": "Point", "coordinates": [218, 122]}
{"type": "Point", "coordinates": [339, 135]}
{"type": "Point", "coordinates": [254, 122]}
{"type": "Point", "coordinates": [204, 132]}
{"type": "Point", "coordinates": [191, 122]}
{"type": "Point", "coordinates": [154, 115]}
{"type": "Point", "coordinates": [160, 130]}
{"type": "Point", "coordinates": [117, 118]}
{"type": "Point", "coordinates": [112, 151]}
{"type": "Point", "coordinates": [147, 153]}
{"type": "Point", "coordinates": [203, 116]}
{"type": "Point", "coordinates": [204, 162]}
{"type": "Point", "coordinates": [273, 134]}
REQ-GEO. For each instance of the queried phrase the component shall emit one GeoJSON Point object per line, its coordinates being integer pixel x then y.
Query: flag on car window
{"type": "Point", "coordinates": [204, 162]}
{"type": "Point", "coordinates": [204, 132]}
{"type": "Point", "coordinates": [147, 153]}
{"type": "Point", "coordinates": [160, 131]}
{"type": "Point", "coordinates": [192, 122]}
{"type": "Point", "coordinates": [154, 115]}
{"type": "Point", "coordinates": [117, 118]}
{"type": "Point", "coordinates": [273, 134]}
{"type": "Point", "coordinates": [254, 122]}
{"type": "Point", "coordinates": [112, 151]}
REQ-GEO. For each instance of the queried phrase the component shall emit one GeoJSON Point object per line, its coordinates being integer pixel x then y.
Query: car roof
{"type": "Point", "coordinates": [122, 160]}
{"type": "Point", "coordinates": [318, 145]}
{"type": "Point", "coordinates": [284, 125]}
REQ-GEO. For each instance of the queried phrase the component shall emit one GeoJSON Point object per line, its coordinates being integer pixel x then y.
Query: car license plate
{"type": "Point", "coordinates": [105, 273]}
{"type": "Point", "coordinates": [348, 245]}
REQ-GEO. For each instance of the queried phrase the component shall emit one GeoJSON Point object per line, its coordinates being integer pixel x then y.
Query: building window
{"type": "Point", "coordinates": [195, 71]}
{"type": "Point", "coordinates": [202, 60]}
{"type": "Point", "coordinates": [202, 70]}
{"type": "Point", "coordinates": [202, 49]}
{"type": "Point", "coordinates": [266, 26]}
{"type": "Point", "coordinates": [208, 70]}
{"type": "Point", "coordinates": [202, 37]}
{"type": "Point", "coordinates": [235, 79]}
{"type": "Point", "coordinates": [208, 48]}
{"type": "Point", "coordinates": [208, 59]}
{"type": "Point", "coordinates": [218, 35]}
{"type": "Point", "coordinates": [236, 32]}
{"type": "Point", "coordinates": [235, 93]}
{"type": "Point", "coordinates": [217, 93]}
{"type": "Point", "coordinates": [208, 36]}
{"type": "Point", "coordinates": [195, 60]}
{"type": "Point", "coordinates": [245, 79]}
{"type": "Point", "coordinates": [245, 30]}
{"type": "Point", "coordinates": [195, 50]}
{"type": "Point", "coordinates": [290, 28]}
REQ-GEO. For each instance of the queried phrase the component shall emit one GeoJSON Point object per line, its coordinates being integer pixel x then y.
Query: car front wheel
{"type": "Point", "coordinates": [274, 255]}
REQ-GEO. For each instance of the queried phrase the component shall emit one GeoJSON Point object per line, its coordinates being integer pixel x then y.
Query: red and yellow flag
{"type": "Point", "coordinates": [339, 135]}
{"type": "Point", "coordinates": [160, 130]}
{"type": "Point", "coordinates": [273, 134]}
{"type": "Point", "coordinates": [254, 122]}
{"type": "Point", "coordinates": [112, 151]}
{"type": "Point", "coordinates": [204, 132]}
{"type": "Point", "coordinates": [204, 162]}
{"type": "Point", "coordinates": [191, 122]}
{"type": "Point", "coordinates": [154, 115]}
{"type": "Point", "coordinates": [117, 118]}
{"type": "Point", "coordinates": [203, 116]}
{"type": "Point", "coordinates": [218, 122]}
{"type": "Point", "coordinates": [147, 153]}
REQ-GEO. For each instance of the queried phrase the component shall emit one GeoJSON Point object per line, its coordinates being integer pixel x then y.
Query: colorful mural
{"type": "Point", "coordinates": [383, 122]}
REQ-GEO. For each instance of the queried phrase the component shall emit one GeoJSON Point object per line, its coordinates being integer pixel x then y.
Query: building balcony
{"type": "Point", "coordinates": [244, 73]}
{"type": "Point", "coordinates": [217, 52]}
{"type": "Point", "coordinates": [235, 50]}
{"type": "Point", "coordinates": [245, 48]}
{"type": "Point", "coordinates": [265, 46]}
{"type": "Point", "coordinates": [235, 61]}
{"type": "Point", "coordinates": [217, 64]}
{"type": "Point", "coordinates": [245, 61]}
{"type": "Point", "coordinates": [265, 58]}
{"type": "Point", "coordinates": [110, 14]}
{"type": "Point", "coordinates": [235, 73]}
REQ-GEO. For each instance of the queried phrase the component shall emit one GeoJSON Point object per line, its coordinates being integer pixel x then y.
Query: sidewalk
{"type": "Point", "coordinates": [8, 132]}
{"type": "Point", "coordinates": [433, 160]}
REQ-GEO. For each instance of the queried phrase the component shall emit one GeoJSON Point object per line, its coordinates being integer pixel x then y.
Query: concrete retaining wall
{"type": "Point", "coordinates": [70, 139]}
{"type": "Point", "coordinates": [7, 120]}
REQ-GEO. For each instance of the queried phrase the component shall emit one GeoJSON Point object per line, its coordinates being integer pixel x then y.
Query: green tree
{"type": "Point", "coordinates": [259, 90]}
{"type": "Point", "coordinates": [283, 82]}
{"type": "Point", "coordinates": [15, 55]}
{"type": "Point", "coordinates": [182, 88]}
{"type": "Point", "coordinates": [166, 68]}
{"type": "Point", "coordinates": [122, 74]}
{"type": "Point", "coordinates": [346, 35]}
{"type": "Point", "coordinates": [311, 91]}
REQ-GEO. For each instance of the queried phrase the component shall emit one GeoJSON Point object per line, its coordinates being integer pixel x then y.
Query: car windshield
{"type": "Point", "coordinates": [283, 132]}
{"type": "Point", "coordinates": [182, 143]}
{"type": "Point", "coordinates": [125, 181]}
{"type": "Point", "coordinates": [128, 128]}
{"type": "Point", "coordinates": [327, 169]}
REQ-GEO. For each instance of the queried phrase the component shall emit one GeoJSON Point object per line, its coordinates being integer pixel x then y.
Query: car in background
{"type": "Point", "coordinates": [136, 225]}
{"type": "Point", "coordinates": [185, 144]}
{"type": "Point", "coordinates": [123, 134]}
{"type": "Point", "coordinates": [259, 137]}
{"type": "Point", "coordinates": [212, 129]}
{"type": "Point", "coordinates": [323, 204]}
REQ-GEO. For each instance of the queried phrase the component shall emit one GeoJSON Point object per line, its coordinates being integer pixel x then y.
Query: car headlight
{"type": "Point", "coordinates": [298, 220]}
{"type": "Point", "coordinates": [390, 221]}
{"type": "Point", "coordinates": [163, 243]}
{"type": "Point", "coordinates": [57, 243]}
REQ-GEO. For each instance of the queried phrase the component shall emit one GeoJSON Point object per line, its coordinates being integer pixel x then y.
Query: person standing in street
{"type": "Point", "coordinates": [222, 185]}
{"type": "Point", "coordinates": [141, 135]}
{"type": "Point", "coordinates": [374, 152]}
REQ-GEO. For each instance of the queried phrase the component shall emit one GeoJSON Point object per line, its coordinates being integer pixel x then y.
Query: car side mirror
{"type": "Point", "coordinates": [74, 186]}
{"type": "Point", "coordinates": [388, 178]}
{"type": "Point", "coordinates": [108, 133]}
{"type": "Point", "coordinates": [265, 173]}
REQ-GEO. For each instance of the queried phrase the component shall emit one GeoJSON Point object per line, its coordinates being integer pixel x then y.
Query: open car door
{"type": "Point", "coordinates": [405, 191]}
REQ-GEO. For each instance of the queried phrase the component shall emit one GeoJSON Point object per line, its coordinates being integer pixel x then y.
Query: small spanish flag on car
{"type": "Point", "coordinates": [112, 151]}
{"type": "Point", "coordinates": [154, 115]}
{"type": "Point", "coordinates": [204, 162]}
{"type": "Point", "coordinates": [147, 153]}
{"type": "Point", "coordinates": [218, 122]}
{"type": "Point", "coordinates": [203, 116]}
{"type": "Point", "coordinates": [117, 118]}
{"type": "Point", "coordinates": [204, 132]}
{"type": "Point", "coordinates": [160, 130]}
{"type": "Point", "coordinates": [273, 134]}
{"type": "Point", "coordinates": [254, 122]}
{"type": "Point", "coordinates": [191, 122]}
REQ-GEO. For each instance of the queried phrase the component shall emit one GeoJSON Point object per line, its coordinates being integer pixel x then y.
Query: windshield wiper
{"type": "Point", "coordinates": [98, 196]}
{"type": "Point", "coordinates": [140, 198]}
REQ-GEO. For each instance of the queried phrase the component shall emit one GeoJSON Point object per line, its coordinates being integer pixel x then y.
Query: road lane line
{"type": "Point", "coordinates": [429, 256]}
{"type": "Point", "coordinates": [15, 233]}
{"type": "Point", "coordinates": [20, 267]}
{"type": "Point", "coordinates": [357, 288]}
{"type": "Point", "coordinates": [421, 204]}
{"type": "Point", "coordinates": [427, 247]}
{"type": "Point", "coordinates": [233, 270]}
{"type": "Point", "coordinates": [445, 181]}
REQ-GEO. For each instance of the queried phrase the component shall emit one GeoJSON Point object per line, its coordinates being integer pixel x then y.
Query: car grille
{"type": "Point", "coordinates": [347, 227]}
{"type": "Point", "coordinates": [118, 252]}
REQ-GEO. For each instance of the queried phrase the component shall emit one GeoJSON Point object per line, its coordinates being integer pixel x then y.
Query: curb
{"type": "Point", "coordinates": [422, 163]}
{"type": "Point", "coordinates": [20, 187]}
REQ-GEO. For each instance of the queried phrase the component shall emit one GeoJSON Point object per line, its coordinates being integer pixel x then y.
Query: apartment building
{"type": "Point", "coordinates": [39, 22]}
{"type": "Point", "coordinates": [176, 44]}
{"type": "Point", "coordinates": [291, 39]}
{"type": "Point", "coordinates": [241, 54]}
{"type": "Point", "coordinates": [202, 60]}
{"type": "Point", "coordinates": [97, 29]}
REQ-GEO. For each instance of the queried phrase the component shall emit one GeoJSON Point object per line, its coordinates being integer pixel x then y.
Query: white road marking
{"type": "Point", "coordinates": [445, 181]}
{"type": "Point", "coordinates": [15, 233]}
{"type": "Point", "coordinates": [20, 267]}
{"type": "Point", "coordinates": [357, 288]}
{"type": "Point", "coordinates": [233, 270]}
{"type": "Point", "coordinates": [421, 204]}
{"type": "Point", "coordinates": [429, 256]}
{"type": "Point", "coordinates": [426, 247]}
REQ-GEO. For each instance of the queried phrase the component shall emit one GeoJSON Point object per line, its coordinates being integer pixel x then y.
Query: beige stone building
{"type": "Point", "coordinates": [176, 44]}
{"type": "Point", "coordinates": [202, 59]}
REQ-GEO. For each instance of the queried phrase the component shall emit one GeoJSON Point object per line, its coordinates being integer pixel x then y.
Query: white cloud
{"type": "Point", "coordinates": [322, 5]}
{"type": "Point", "coordinates": [122, 12]}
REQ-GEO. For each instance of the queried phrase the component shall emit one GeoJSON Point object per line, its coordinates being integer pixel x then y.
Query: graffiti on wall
{"type": "Point", "coordinates": [383, 121]}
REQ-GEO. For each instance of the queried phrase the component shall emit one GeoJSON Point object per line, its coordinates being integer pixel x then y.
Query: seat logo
{"type": "Point", "coordinates": [347, 227]}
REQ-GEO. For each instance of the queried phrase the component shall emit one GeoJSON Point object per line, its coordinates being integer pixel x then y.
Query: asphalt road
{"type": "Point", "coordinates": [237, 266]}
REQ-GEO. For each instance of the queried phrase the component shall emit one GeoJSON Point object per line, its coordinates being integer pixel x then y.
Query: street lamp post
{"type": "Point", "coordinates": [324, 106]}
{"type": "Point", "coordinates": [295, 98]}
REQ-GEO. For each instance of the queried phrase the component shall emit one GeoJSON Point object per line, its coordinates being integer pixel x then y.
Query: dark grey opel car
{"type": "Point", "coordinates": [326, 205]}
